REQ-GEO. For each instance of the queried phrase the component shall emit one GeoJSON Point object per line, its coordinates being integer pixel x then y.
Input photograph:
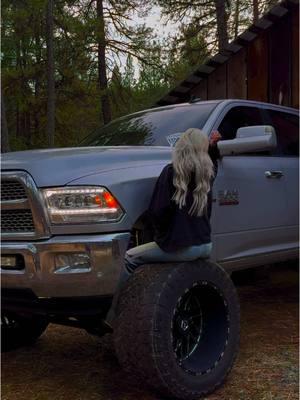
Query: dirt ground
{"type": "Point", "coordinates": [68, 363]}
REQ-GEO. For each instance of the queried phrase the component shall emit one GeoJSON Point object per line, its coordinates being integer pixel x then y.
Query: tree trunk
{"type": "Point", "coordinates": [28, 128]}
{"type": "Point", "coordinates": [17, 120]}
{"type": "Point", "coordinates": [50, 126]}
{"type": "Point", "coordinates": [255, 11]}
{"type": "Point", "coordinates": [18, 67]}
{"type": "Point", "coordinates": [102, 78]}
{"type": "Point", "coordinates": [221, 23]}
{"type": "Point", "coordinates": [37, 82]}
{"type": "Point", "coordinates": [4, 130]}
{"type": "Point", "coordinates": [25, 95]}
{"type": "Point", "coordinates": [236, 18]}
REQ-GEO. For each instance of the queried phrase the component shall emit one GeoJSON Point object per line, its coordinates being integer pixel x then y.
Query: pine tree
{"type": "Point", "coordinates": [116, 35]}
{"type": "Point", "coordinates": [50, 127]}
{"type": "Point", "coordinates": [127, 47]}
{"type": "Point", "coordinates": [222, 29]}
{"type": "Point", "coordinates": [128, 79]}
{"type": "Point", "coordinates": [51, 65]}
{"type": "Point", "coordinates": [223, 20]}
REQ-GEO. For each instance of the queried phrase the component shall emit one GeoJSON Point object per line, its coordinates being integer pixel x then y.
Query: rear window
{"type": "Point", "coordinates": [151, 128]}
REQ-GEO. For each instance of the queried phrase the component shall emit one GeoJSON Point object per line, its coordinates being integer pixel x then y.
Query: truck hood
{"type": "Point", "coordinates": [57, 167]}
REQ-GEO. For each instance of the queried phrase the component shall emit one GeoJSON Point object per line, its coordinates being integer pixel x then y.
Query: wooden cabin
{"type": "Point", "coordinates": [261, 64]}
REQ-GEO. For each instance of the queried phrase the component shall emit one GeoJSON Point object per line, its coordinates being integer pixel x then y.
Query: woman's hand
{"type": "Point", "coordinates": [214, 138]}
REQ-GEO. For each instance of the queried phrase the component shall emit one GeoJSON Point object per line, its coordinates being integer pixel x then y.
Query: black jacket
{"type": "Point", "coordinates": [174, 228]}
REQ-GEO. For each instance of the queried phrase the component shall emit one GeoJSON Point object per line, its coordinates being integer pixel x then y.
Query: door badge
{"type": "Point", "coordinates": [228, 197]}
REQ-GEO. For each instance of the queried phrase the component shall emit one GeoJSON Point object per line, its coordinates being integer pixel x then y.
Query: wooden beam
{"type": "Point", "coordinates": [180, 89]}
{"type": "Point", "coordinates": [263, 23]}
{"type": "Point", "coordinates": [218, 58]}
{"type": "Point", "coordinates": [247, 36]}
{"type": "Point", "coordinates": [278, 11]}
{"type": "Point", "coordinates": [193, 79]}
{"type": "Point", "coordinates": [205, 69]}
{"type": "Point", "coordinates": [233, 47]}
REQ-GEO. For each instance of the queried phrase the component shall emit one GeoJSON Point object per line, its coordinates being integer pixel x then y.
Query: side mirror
{"type": "Point", "coordinates": [249, 139]}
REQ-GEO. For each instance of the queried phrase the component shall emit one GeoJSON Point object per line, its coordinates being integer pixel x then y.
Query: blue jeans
{"type": "Point", "coordinates": [151, 253]}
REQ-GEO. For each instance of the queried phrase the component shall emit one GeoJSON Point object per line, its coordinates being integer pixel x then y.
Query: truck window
{"type": "Point", "coordinates": [236, 118]}
{"type": "Point", "coordinates": [286, 126]}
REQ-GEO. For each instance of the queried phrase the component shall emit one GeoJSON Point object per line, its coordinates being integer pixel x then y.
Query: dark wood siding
{"type": "Point", "coordinates": [257, 79]}
{"type": "Point", "coordinates": [237, 82]}
{"type": "Point", "coordinates": [217, 83]}
{"type": "Point", "coordinates": [280, 62]}
{"type": "Point", "coordinates": [200, 90]}
{"type": "Point", "coordinates": [295, 58]}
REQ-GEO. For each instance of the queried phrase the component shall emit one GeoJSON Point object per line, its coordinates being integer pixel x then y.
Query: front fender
{"type": "Point", "coordinates": [131, 186]}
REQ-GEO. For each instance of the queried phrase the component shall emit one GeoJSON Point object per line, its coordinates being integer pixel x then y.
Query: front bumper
{"type": "Point", "coordinates": [106, 256]}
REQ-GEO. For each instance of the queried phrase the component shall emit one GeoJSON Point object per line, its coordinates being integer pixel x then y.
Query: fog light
{"type": "Point", "coordinates": [8, 261]}
{"type": "Point", "coordinates": [15, 261]}
{"type": "Point", "coordinates": [72, 263]}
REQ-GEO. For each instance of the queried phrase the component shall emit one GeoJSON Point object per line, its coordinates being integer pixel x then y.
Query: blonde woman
{"type": "Point", "coordinates": [180, 207]}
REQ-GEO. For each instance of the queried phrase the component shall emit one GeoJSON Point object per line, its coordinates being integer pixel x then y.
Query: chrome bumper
{"type": "Point", "coordinates": [106, 256]}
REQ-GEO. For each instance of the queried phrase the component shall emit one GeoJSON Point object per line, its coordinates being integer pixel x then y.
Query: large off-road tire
{"type": "Point", "coordinates": [17, 331]}
{"type": "Point", "coordinates": [177, 327]}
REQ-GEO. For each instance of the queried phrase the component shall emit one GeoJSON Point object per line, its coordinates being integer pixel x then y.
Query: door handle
{"type": "Point", "coordinates": [273, 174]}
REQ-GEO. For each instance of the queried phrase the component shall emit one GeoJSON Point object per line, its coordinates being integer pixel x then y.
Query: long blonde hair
{"type": "Point", "coordinates": [190, 155]}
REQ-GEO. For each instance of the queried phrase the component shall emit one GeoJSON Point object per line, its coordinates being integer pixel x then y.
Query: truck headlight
{"type": "Point", "coordinates": [81, 205]}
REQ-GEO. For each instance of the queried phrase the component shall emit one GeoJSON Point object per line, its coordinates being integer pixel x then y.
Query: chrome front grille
{"type": "Point", "coordinates": [14, 221]}
{"type": "Point", "coordinates": [22, 214]}
{"type": "Point", "coordinates": [12, 190]}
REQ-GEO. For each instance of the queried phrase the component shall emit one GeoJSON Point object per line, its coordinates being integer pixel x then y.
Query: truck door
{"type": "Point", "coordinates": [249, 211]}
{"type": "Point", "coordinates": [286, 126]}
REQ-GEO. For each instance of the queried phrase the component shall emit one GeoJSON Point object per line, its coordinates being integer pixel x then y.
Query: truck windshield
{"type": "Point", "coordinates": [151, 127]}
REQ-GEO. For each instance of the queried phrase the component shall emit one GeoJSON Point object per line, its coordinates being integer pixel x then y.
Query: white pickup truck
{"type": "Point", "coordinates": [69, 214]}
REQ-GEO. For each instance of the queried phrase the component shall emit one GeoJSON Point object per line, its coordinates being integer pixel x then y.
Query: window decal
{"type": "Point", "coordinates": [172, 139]}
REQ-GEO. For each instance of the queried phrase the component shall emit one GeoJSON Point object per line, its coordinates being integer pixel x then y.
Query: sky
{"type": "Point", "coordinates": [162, 30]}
{"type": "Point", "coordinates": [154, 21]}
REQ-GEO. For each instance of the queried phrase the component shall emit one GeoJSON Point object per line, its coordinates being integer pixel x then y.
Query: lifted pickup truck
{"type": "Point", "coordinates": [69, 215]}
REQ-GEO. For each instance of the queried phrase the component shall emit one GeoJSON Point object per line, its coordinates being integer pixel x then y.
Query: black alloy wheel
{"type": "Point", "coordinates": [201, 314]}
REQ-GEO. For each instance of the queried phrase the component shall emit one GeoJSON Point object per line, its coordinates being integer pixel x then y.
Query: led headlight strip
{"type": "Point", "coordinates": [49, 192]}
{"type": "Point", "coordinates": [84, 210]}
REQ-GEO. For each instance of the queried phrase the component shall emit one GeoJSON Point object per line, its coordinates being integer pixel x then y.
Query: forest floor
{"type": "Point", "coordinates": [70, 364]}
